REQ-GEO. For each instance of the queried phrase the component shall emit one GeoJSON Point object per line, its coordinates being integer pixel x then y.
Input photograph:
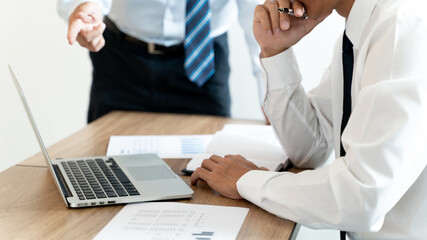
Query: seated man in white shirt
{"type": "Point", "coordinates": [376, 188]}
{"type": "Point", "coordinates": [159, 56]}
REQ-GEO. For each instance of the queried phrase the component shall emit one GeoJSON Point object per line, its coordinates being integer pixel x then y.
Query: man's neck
{"type": "Point", "coordinates": [343, 7]}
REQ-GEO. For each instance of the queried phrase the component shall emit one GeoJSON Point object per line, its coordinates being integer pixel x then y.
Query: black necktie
{"type": "Point", "coordinates": [347, 62]}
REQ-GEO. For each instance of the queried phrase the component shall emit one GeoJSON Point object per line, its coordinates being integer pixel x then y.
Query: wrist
{"type": "Point", "coordinates": [88, 12]}
{"type": "Point", "coordinates": [270, 52]}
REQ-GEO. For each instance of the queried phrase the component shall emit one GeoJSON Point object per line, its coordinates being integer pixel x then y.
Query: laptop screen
{"type": "Point", "coordinates": [36, 131]}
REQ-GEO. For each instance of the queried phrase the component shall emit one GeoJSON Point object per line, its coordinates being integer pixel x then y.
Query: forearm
{"type": "Point", "coordinates": [295, 121]}
{"type": "Point", "coordinates": [317, 199]}
{"type": "Point", "coordinates": [385, 157]}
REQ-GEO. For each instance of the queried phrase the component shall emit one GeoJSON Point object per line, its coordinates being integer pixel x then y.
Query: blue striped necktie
{"type": "Point", "coordinates": [199, 62]}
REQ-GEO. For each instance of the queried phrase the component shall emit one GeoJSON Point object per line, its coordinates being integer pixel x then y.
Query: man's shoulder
{"type": "Point", "coordinates": [402, 8]}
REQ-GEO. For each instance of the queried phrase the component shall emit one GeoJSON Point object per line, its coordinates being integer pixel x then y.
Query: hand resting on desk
{"type": "Point", "coordinates": [222, 173]}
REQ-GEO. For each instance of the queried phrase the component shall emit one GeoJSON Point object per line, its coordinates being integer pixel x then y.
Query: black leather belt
{"type": "Point", "coordinates": [151, 48]}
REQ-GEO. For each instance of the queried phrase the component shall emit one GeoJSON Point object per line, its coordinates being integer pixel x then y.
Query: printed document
{"type": "Point", "coordinates": [174, 221]}
{"type": "Point", "coordinates": [262, 133]}
{"type": "Point", "coordinates": [257, 143]}
{"type": "Point", "coordinates": [166, 146]}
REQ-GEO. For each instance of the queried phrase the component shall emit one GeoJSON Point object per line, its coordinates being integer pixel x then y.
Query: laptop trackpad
{"type": "Point", "coordinates": [147, 173]}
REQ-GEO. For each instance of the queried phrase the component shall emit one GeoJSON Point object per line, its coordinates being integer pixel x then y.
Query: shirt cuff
{"type": "Point", "coordinates": [280, 70]}
{"type": "Point", "coordinates": [105, 9]}
{"type": "Point", "coordinates": [252, 184]}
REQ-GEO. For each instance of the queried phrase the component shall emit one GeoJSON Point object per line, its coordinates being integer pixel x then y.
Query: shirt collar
{"type": "Point", "coordinates": [357, 19]}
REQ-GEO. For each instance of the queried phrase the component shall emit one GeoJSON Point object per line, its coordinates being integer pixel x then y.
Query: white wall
{"type": "Point", "coordinates": [56, 78]}
{"type": "Point", "coordinates": [313, 52]}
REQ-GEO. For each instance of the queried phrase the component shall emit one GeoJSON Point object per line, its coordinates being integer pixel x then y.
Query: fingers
{"type": "Point", "coordinates": [74, 29]}
{"type": "Point", "coordinates": [204, 172]}
{"type": "Point", "coordinates": [209, 164]}
{"type": "Point", "coordinates": [79, 21]}
{"type": "Point", "coordinates": [272, 6]}
{"type": "Point", "coordinates": [284, 18]}
{"type": "Point", "coordinates": [86, 17]}
{"type": "Point", "coordinates": [94, 46]}
{"type": "Point", "coordinates": [83, 23]}
{"type": "Point", "coordinates": [99, 45]}
{"type": "Point", "coordinates": [271, 19]}
{"type": "Point", "coordinates": [262, 16]}
{"type": "Point", "coordinates": [216, 158]}
{"type": "Point", "coordinates": [298, 8]}
{"type": "Point", "coordinates": [238, 156]}
{"type": "Point", "coordinates": [89, 12]}
{"type": "Point", "coordinates": [200, 173]}
{"type": "Point", "coordinates": [89, 36]}
{"type": "Point", "coordinates": [93, 39]}
{"type": "Point", "coordinates": [216, 163]}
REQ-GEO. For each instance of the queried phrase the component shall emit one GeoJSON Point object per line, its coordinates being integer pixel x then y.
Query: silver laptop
{"type": "Point", "coordinates": [107, 180]}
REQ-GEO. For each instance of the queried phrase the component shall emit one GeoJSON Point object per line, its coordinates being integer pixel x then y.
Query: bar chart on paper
{"type": "Point", "coordinates": [203, 235]}
{"type": "Point", "coordinates": [175, 221]}
{"type": "Point", "coordinates": [192, 145]}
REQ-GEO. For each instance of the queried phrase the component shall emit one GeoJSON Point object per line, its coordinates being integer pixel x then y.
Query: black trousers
{"type": "Point", "coordinates": [127, 77]}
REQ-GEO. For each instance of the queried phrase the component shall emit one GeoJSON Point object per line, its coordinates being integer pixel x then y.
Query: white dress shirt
{"type": "Point", "coordinates": [163, 21]}
{"type": "Point", "coordinates": [378, 190]}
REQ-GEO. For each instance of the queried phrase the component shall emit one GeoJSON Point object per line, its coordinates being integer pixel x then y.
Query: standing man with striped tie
{"type": "Point", "coordinates": [157, 55]}
{"type": "Point", "coordinates": [370, 107]}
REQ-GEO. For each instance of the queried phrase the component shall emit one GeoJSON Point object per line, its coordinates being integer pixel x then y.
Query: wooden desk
{"type": "Point", "coordinates": [31, 207]}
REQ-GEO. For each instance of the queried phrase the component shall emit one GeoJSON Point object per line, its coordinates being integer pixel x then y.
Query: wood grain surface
{"type": "Point", "coordinates": [31, 207]}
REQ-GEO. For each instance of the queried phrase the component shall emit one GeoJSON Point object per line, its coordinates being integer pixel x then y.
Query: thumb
{"type": "Point", "coordinates": [85, 17]}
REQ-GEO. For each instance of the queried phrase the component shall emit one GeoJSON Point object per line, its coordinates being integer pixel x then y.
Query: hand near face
{"type": "Point", "coordinates": [275, 32]}
{"type": "Point", "coordinates": [222, 173]}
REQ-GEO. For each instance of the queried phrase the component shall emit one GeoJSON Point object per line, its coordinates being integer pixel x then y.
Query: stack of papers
{"type": "Point", "coordinates": [256, 143]}
{"type": "Point", "coordinates": [263, 153]}
{"type": "Point", "coordinates": [263, 133]}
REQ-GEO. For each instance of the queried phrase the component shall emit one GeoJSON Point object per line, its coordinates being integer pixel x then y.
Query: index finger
{"type": "Point", "coordinates": [216, 158]}
{"type": "Point", "coordinates": [200, 173]}
{"type": "Point", "coordinates": [74, 30]}
{"type": "Point", "coordinates": [284, 18]}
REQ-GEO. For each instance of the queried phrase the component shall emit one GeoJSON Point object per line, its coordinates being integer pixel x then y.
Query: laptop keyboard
{"type": "Point", "coordinates": [93, 178]}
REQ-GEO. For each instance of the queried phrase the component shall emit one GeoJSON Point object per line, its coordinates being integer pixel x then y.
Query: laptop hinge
{"type": "Point", "coordinates": [64, 188]}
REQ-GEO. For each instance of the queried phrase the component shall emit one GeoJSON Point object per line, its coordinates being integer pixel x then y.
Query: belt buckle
{"type": "Point", "coordinates": [151, 47]}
